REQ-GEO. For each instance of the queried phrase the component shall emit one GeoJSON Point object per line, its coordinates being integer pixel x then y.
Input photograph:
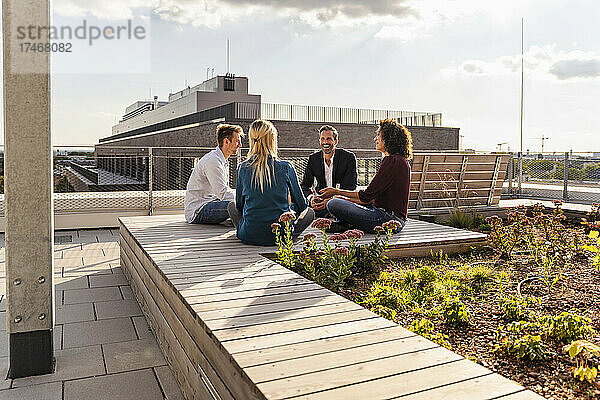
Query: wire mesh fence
{"type": "Point", "coordinates": [125, 178]}
{"type": "Point", "coordinates": [569, 176]}
{"type": "Point", "coordinates": [106, 178]}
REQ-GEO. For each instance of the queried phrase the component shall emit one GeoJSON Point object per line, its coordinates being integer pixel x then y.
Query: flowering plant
{"type": "Point", "coordinates": [332, 261]}
{"type": "Point", "coordinates": [371, 256]}
{"type": "Point", "coordinates": [283, 239]}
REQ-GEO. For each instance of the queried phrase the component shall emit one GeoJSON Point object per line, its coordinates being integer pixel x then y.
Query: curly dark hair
{"type": "Point", "coordinates": [396, 137]}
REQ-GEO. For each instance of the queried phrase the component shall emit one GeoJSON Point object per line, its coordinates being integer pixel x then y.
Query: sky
{"type": "Point", "coordinates": [460, 58]}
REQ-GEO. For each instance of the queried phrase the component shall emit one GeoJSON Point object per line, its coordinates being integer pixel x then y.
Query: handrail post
{"type": "Point", "coordinates": [520, 174]}
{"type": "Point", "coordinates": [150, 179]}
{"type": "Point", "coordinates": [566, 178]}
{"type": "Point", "coordinates": [510, 175]}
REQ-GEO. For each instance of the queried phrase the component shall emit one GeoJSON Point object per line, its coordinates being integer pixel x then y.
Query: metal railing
{"type": "Point", "coordinates": [87, 172]}
{"type": "Point", "coordinates": [292, 112]}
{"type": "Point", "coordinates": [149, 178]}
{"type": "Point", "coordinates": [568, 176]}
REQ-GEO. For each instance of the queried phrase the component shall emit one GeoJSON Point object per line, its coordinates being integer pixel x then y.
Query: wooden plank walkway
{"type": "Point", "coordinates": [235, 325]}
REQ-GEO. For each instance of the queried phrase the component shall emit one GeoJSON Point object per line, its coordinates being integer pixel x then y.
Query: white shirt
{"type": "Point", "coordinates": [328, 171]}
{"type": "Point", "coordinates": [208, 182]}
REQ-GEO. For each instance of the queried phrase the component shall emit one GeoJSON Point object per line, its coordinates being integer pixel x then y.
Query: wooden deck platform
{"type": "Point", "coordinates": [234, 325]}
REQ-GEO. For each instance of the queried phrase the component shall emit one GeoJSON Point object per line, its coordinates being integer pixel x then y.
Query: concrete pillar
{"type": "Point", "coordinates": [28, 192]}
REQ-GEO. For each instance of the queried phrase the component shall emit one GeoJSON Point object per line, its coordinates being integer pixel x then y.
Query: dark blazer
{"type": "Point", "coordinates": [344, 171]}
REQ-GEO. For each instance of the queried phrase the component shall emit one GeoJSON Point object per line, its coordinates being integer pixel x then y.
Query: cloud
{"type": "Point", "coordinates": [540, 62]}
{"type": "Point", "coordinates": [103, 9]}
{"type": "Point", "coordinates": [349, 8]}
{"type": "Point", "coordinates": [213, 13]}
{"type": "Point", "coordinates": [569, 69]}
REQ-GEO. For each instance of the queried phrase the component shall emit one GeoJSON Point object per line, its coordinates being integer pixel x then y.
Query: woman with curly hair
{"type": "Point", "coordinates": [386, 197]}
{"type": "Point", "coordinates": [265, 188]}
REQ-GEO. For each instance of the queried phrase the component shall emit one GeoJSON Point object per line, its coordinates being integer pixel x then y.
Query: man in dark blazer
{"type": "Point", "coordinates": [331, 167]}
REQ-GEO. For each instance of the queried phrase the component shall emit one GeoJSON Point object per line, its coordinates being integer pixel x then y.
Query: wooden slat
{"type": "Point", "coordinates": [494, 180]}
{"type": "Point", "coordinates": [422, 183]}
{"type": "Point", "coordinates": [338, 358]}
{"type": "Point", "coordinates": [322, 346]}
{"type": "Point", "coordinates": [486, 386]}
{"type": "Point", "coordinates": [278, 316]}
{"type": "Point", "coordinates": [408, 382]}
{"type": "Point", "coordinates": [342, 315]}
{"type": "Point", "coordinates": [461, 178]}
{"type": "Point", "coordinates": [446, 167]}
{"type": "Point", "coordinates": [453, 176]}
{"type": "Point", "coordinates": [366, 371]}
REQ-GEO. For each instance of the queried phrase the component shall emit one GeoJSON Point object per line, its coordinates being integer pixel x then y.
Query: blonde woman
{"type": "Point", "coordinates": [264, 186]}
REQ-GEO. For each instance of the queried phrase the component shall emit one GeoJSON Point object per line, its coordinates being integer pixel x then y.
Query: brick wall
{"type": "Point", "coordinates": [298, 135]}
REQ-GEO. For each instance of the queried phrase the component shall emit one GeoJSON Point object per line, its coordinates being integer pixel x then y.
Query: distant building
{"type": "Point", "coordinates": [211, 93]}
{"type": "Point", "coordinates": [190, 118]}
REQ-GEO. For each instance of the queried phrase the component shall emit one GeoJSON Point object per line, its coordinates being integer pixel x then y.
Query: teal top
{"type": "Point", "coordinates": [260, 209]}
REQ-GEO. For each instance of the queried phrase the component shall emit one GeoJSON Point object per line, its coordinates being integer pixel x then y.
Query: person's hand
{"type": "Point", "coordinates": [318, 203]}
{"type": "Point", "coordinates": [328, 192]}
{"type": "Point", "coordinates": [314, 200]}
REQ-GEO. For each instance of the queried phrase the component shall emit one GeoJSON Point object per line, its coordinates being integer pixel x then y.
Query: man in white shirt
{"type": "Point", "coordinates": [208, 193]}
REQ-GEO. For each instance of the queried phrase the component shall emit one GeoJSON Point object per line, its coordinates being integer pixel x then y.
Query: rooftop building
{"type": "Point", "coordinates": [214, 92]}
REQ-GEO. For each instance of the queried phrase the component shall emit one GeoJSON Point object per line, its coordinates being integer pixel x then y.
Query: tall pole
{"type": "Point", "coordinates": [522, 79]}
{"type": "Point", "coordinates": [28, 192]}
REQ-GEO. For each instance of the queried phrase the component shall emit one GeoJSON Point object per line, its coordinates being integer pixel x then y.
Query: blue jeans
{"type": "Point", "coordinates": [363, 217]}
{"type": "Point", "coordinates": [213, 212]}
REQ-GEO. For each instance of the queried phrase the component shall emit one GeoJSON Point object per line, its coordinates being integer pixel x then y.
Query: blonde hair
{"type": "Point", "coordinates": [263, 143]}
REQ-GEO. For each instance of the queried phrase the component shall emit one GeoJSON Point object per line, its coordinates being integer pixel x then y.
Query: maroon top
{"type": "Point", "coordinates": [390, 187]}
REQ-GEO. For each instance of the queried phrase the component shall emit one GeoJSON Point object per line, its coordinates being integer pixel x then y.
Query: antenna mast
{"type": "Point", "coordinates": [227, 55]}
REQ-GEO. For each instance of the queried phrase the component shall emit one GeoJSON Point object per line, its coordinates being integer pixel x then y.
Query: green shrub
{"type": "Point", "coordinates": [424, 327]}
{"type": "Point", "coordinates": [594, 248]}
{"type": "Point", "coordinates": [515, 308]}
{"type": "Point", "coordinates": [522, 339]}
{"type": "Point", "coordinates": [567, 327]}
{"type": "Point", "coordinates": [385, 312]}
{"type": "Point", "coordinates": [477, 277]}
{"type": "Point", "coordinates": [408, 278]}
{"type": "Point", "coordinates": [426, 276]}
{"type": "Point", "coordinates": [583, 351]}
{"type": "Point", "coordinates": [383, 295]}
{"type": "Point", "coordinates": [528, 346]}
{"type": "Point", "coordinates": [455, 313]}
{"type": "Point", "coordinates": [462, 219]}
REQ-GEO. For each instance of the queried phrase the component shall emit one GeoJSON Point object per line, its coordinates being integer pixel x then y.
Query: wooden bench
{"type": "Point", "coordinates": [234, 325]}
{"type": "Point", "coordinates": [445, 180]}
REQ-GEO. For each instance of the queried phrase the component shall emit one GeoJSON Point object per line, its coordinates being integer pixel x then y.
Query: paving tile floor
{"type": "Point", "coordinates": [104, 348]}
